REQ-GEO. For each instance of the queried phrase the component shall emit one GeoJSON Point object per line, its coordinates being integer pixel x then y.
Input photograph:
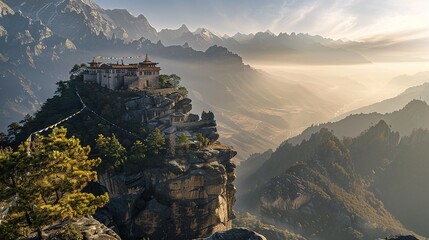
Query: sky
{"type": "Point", "coordinates": [350, 19]}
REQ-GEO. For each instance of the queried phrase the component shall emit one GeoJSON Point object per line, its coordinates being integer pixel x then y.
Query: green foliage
{"type": "Point", "coordinates": [137, 160]}
{"type": "Point", "coordinates": [75, 68]}
{"type": "Point", "coordinates": [156, 142]}
{"type": "Point", "coordinates": [111, 151]}
{"type": "Point", "coordinates": [202, 141]}
{"type": "Point", "coordinates": [14, 129]}
{"type": "Point", "coordinates": [184, 142]}
{"type": "Point", "coordinates": [48, 182]}
{"type": "Point", "coordinates": [168, 81]}
{"type": "Point", "coordinates": [71, 233]}
{"type": "Point", "coordinates": [3, 138]}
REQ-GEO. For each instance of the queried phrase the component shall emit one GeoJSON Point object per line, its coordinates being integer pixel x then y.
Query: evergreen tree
{"type": "Point", "coordinates": [183, 141]}
{"type": "Point", "coordinates": [202, 141]}
{"type": "Point", "coordinates": [156, 142]}
{"type": "Point", "coordinates": [48, 178]}
{"type": "Point", "coordinates": [75, 68]}
{"type": "Point", "coordinates": [14, 129]}
{"type": "Point", "coordinates": [3, 138]}
{"type": "Point", "coordinates": [137, 160]}
{"type": "Point", "coordinates": [111, 151]}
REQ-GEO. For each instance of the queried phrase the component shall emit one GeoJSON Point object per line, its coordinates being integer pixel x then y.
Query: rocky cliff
{"type": "Point", "coordinates": [188, 198]}
{"type": "Point", "coordinates": [188, 193]}
{"type": "Point", "coordinates": [184, 191]}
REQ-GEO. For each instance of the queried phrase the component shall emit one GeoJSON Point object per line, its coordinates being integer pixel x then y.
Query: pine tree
{"type": "Point", "coordinates": [48, 178]}
{"type": "Point", "coordinates": [111, 151]}
{"type": "Point", "coordinates": [156, 142]}
{"type": "Point", "coordinates": [184, 142]}
{"type": "Point", "coordinates": [137, 160]}
{"type": "Point", "coordinates": [202, 141]}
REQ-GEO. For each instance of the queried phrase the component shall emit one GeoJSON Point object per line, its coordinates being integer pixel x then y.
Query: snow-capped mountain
{"type": "Point", "coordinates": [200, 39]}
{"type": "Point", "coordinates": [240, 37]}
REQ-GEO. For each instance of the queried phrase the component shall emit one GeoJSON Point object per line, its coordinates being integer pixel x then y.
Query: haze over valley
{"type": "Point", "coordinates": [299, 131]}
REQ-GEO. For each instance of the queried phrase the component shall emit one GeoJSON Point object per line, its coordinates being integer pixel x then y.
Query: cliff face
{"type": "Point", "coordinates": [188, 194]}
{"type": "Point", "coordinates": [186, 199]}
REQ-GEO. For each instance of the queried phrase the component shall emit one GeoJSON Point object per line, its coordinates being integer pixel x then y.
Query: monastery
{"type": "Point", "coordinates": [134, 76]}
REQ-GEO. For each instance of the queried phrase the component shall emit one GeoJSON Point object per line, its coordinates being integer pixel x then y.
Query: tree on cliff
{"type": "Point", "coordinates": [156, 142]}
{"type": "Point", "coordinates": [202, 141]}
{"type": "Point", "coordinates": [111, 151]}
{"type": "Point", "coordinates": [137, 160]}
{"type": "Point", "coordinates": [48, 178]}
{"type": "Point", "coordinates": [184, 142]}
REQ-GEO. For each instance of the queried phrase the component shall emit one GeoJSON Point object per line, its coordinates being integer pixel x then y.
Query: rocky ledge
{"type": "Point", "coordinates": [236, 234]}
{"type": "Point", "coordinates": [84, 228]}
{"type": "Point", "coordinates": [188, 198]}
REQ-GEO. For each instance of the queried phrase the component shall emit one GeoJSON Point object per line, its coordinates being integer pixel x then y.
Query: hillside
{"type": "Point", "coordinates": [415, 92]}
{"type": "Point", "coordinates": [318, 188]}
{"type": "Point", "coordinates": [414, 115]}
{"type": "Point", "coordinates": [406, 176]}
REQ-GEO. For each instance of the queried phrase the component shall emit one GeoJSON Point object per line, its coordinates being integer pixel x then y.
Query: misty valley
{"type": "Point", "coordinates": [117, 123]}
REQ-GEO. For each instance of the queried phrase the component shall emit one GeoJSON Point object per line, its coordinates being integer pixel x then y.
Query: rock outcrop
{"type": "Point", "coordinates": [236, 234]}
{"type": "Point", "coordinates": [409, 237]}
{"type": "Point", "coordinates": [85, 229]}
{"type": "Point", "coordinates": [188, 198]}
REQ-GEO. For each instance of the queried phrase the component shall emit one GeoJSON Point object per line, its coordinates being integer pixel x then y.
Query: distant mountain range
{"type": "Point", "coordinates": [319, 187]}
{"type": "Point", "coordinates": [266, 47]}
{"type": "Point", "coordinates": [417, 92]}
{"type": "Point", "coordinates": [414, 115]}
{"type": "Point", "coordinates": [380, 147]}
{"type": "Point", "coordinates": [79, 19]}
{"type": "Point", "coordinates": [241, 97]}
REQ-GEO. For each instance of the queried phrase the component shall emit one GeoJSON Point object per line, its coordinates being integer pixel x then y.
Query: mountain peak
{"type": "Point", "coordinates": [416, 105]}
{"type": "Point", "coordinates": [269, 32]}
{"type": "Point", "coordinates": [184, 28]}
